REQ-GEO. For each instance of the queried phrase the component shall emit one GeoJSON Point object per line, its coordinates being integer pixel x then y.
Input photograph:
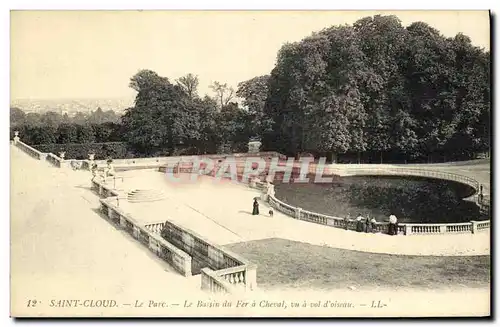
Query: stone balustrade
{"type": "Point", "coordinates": [227, 266]}
{"type": "Point", "coordinates": [57, 161]}
{"type": "Point", "coordinates": [155, 227]}
{"type": "Point", "coordinates": [30, 150]}
{"type": "Point", "coordinates": [104, 190]}
{"type": "Point", "coordinates": [212, 283]}
{"type": "Point", "coordinates": [168, 252]}
{"type": "Point", "coordinates": [394, 171]}
{"type": "Point", "coordinates": [382, 227]}
{"type": "Point", "coordinates": [481, 225]}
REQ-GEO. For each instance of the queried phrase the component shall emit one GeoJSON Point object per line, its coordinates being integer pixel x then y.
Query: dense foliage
{"type": "Point", "coordinates": [375, 91]}
{"type": "Point", "coordinates": [168, 117]}
{"type": "Point", "coordinates": [81, 151]}
{"type": "Point", "coordinates": [379, 89]}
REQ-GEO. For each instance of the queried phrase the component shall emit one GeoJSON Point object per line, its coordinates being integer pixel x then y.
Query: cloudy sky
{"type": "Point", "coordinates": [93, 54]}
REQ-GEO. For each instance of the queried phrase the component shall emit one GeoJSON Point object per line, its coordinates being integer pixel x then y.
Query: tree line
{"type": "Point", "coordinates": [374, 91]}
{"type": "Point", "coordinates": [54, 128]}
{"type": "Point", "coordinates": [377, 88]}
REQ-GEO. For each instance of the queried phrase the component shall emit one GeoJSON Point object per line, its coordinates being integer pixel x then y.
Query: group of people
{"type": "Point", "coordinates": [368, 225]}
{"type": "Point", "coordinates": [108, 171]}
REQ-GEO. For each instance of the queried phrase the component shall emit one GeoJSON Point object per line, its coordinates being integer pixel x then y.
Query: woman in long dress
{"type": "Point", "coordinates": [255, 207]}
{"type": "Point", "coordinates": [393, 225]}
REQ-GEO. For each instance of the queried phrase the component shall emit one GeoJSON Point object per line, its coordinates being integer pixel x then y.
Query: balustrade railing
{"type": "Point", "coordinates": [412, 172]}
{"type": "Point", "coordinates": [379, 227]}
{"type": "Point", "coordinates": [155, 227]}
{"type": "Point", "coordinates": [161, 247]}
{"type": "Point", "coordinates": [30, 150]}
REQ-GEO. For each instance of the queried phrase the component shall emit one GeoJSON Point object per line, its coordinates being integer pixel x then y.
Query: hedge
{"type": "Point", "coordinates": [117, 150]}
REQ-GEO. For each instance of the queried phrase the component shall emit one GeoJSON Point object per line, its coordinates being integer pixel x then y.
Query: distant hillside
{"type": "Point", "coordinates": [72, 105]}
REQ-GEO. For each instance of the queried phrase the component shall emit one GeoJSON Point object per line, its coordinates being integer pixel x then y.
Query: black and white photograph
{"type": "Point", "coordinates": [245, 163]}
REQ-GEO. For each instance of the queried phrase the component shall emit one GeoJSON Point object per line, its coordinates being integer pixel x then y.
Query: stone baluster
{"type": "Point", "coordinates": [474, 227]}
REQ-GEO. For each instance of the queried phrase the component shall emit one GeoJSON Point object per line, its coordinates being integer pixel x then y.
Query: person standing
{"type": "Point", "coordinates": [393, 225]}
{"type": "Point", "coordinates": [94, 171]}
{"type": "Point", "coordinates": [346, 221]}
{"type": "Point", "coordinates": [359, 224]}
{"type": "Point", "coordinates": [255, 207]}
{"type": "Point", "coordinates": [368, 225]}
{"type": "Point", "coordinates": [110, 171]}
{"type": "Point", "coordinates": [373, 224]}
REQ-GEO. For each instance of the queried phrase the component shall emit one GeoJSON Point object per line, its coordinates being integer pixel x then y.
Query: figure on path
{"type": "Point", "coordinates": [255, 207]}
{"type": "Point", "coordinates": [109, 171]}
{"type": "Point", "coordinates": [393, 225]}
{"type": "Point", "coordinates": [346, 221]}
{"type": "Point", "coordinates": [94, 171]}
{"type": "Point", "coordinates": [368, 225]}
{"type": "Point", "coordinates": [360, 224]}
{"type": "Point", "coordinates": [373, 224]}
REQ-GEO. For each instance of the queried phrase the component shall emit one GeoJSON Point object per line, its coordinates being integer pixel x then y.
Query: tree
{"type": "Point", "coordinates": [17, 117]}
{"type": "Point", "coordinates": [67, 133]}
{"type": "Point", "coordinates": [85, 134]}
{"type": "Point", "coordinates": [254, 93]}
{"type": "Point", "coordinates": [223, 93]}
{"type": "Point", "coordinates": [51, 118]}
{"type": "Point", "coordinates": [163, 117]}
{"type": "Point", "coordinates": [189, 84]}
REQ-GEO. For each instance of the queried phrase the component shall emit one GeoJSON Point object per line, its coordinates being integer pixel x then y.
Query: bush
{"type": "Point", "coordinates": [116, 150]}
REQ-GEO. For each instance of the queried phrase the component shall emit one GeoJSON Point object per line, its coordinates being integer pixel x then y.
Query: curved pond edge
{"type": "Point", "coordinates": [382, 227]}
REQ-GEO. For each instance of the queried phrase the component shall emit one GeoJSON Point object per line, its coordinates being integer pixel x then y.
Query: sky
{"type": "Point", "coordinates": [93, 54]}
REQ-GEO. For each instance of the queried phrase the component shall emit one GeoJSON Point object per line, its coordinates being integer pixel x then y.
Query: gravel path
{"type": "Point", "coordinates": [61, 249]}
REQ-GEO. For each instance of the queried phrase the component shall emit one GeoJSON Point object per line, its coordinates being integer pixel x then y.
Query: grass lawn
{"type": "Point", "coordinates": [289, 264]}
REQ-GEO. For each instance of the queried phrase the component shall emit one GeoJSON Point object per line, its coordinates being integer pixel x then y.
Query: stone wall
{"type": "Point", "coordinates": [229, 267]}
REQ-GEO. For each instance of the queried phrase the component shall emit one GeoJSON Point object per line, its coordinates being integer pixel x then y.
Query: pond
{"type": "Point", "coordinates": [411, 199]}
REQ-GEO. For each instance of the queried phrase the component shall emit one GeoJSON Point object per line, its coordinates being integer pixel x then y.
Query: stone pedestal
{"type": "Point", "coordinates": [254, 146]}
{"type": "Point", "coordinates": [474, 227]}
{"type": "Point", "coordinates": [16, 137]}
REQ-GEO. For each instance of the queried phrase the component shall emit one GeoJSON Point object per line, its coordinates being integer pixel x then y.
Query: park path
{"type": "Point", "coordinates": [61, 249]}
{"type": "Point", "coordinates": [231, 207]}
{"type": "Point", "coordinates": [221, 212]}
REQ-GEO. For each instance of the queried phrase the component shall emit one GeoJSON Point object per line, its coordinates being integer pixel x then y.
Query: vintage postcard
{"type": "Point", "coordinates": [250, 164]}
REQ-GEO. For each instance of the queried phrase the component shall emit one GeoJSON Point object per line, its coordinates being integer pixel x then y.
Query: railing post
{"type": "Point", "coordinates": [442, 229]}
{"type": "Point", "coordinates": [407, 229]}
{"type": "Point", "coordinates": [298, 212]}
{"type": "Point", "coordinates": [250, 277]}
{"type": "Point", "coordinates": [474, 227]}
